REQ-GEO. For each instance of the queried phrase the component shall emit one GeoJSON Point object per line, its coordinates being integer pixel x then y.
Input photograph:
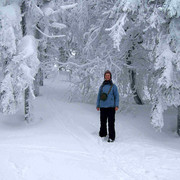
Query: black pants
{"type": "Point", "coordinates": [107, 114]}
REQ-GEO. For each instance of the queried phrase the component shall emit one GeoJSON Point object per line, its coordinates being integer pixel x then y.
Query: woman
{"type": "Point", "coordinates": [108, 104]}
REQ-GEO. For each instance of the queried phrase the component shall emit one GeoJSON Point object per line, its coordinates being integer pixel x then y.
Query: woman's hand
{"type": "Point", "coordinates": [116, 108]}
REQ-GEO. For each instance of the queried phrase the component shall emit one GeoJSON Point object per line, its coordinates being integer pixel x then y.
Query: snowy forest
{"type": "Point", "coordinates": [138, 40]}
{"type": "Point", "coordinates": [53, 55]}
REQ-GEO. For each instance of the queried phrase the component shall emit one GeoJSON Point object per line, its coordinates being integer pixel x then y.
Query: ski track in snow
{"type": "Point", "coordinates": [101, 152]}
{"type": "Point", "coordinates": [76, 145]}
{"type": "Point", "coordinates": [68, 125]}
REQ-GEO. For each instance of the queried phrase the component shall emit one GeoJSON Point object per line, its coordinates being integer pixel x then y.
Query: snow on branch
{"type": "Point", "coordinates": [54, 36]}
{"type": "Point", "coordinates": [48, 11]}
{"type": "Point", "coordinates": [9, 11]}
{"type": "Point", "coordinates": [77, 65]}
{"type": "Point", "coordinates": [27, 58]}
{"type": "Point", "coordinates": [10, 29]}
{"type": "Point", "coordinates": [66, 7]}
{"type": "Point", "coordinates": [117, 31]}
{"type": "Point", "coordinates": [172, 8]}
{"type": "Point", "coordinates": [129, 5]}
{"type": "Point", "coordinates": [164, 62]}
{"type": "Point", "coordinates": [58, 25]}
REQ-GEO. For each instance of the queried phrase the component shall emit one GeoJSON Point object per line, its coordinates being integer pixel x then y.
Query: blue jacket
{"type": "Point", "coordinates": [112, 99]}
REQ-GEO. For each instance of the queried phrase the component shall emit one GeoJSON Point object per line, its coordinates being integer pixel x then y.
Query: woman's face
{"type": "Point", "coordinates": [107, 76]}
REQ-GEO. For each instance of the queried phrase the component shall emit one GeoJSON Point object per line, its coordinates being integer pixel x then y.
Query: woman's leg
{"type": "Point", "coordinates": [111, 123]}
{"type": "Point", "coordinates": [103, 122]}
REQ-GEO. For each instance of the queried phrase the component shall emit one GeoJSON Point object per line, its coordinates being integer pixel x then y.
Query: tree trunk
{"type": "Point", "coordinates": [27, 104]}
{"type": "Point", "coordinates": [23, 22]}
{"type": "Point", "coordinates": [26, 93]}
{"type": "Point", "coordinates": [40, 77]}
{"type": "Point", "coordinates": [178, 121]}
{"type": "Point", "coordinates": [38, 35]}
{"type": "Point", "coordinates": [132, 76]}
{"type": "Point", "coordinates": [5, 64]}
{"type": "Point", "coordinates": [38, 82]}
{"type": "Point", "coordinates": [36, 85]}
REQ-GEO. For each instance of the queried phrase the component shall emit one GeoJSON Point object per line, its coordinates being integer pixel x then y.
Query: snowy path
{"type": "Point", "coordinates": [63, 144]}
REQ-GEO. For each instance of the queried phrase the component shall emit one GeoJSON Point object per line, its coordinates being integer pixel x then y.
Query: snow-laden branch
{"type": "Point", "coordinates": [117, 30]}
{"type": "Point", "coordinates": [77, 65]}
{"type": "Point", "coordinates": [129, 5]}
{"type": "Point", "coordinates": [49, 11]}
{"type": "Point", "coordinates": [58, 25]}
{"type": "Point", "coordinates": [66, 7]}
{"type": "Point", "coordinates": [38, 9]}
{"type": "Point", "coordinates": [172, 8]}
{"type": "Point", "coordinates": [54, 36]}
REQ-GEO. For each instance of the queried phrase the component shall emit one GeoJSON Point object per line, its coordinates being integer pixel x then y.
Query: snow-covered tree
{"type": "Point", "coordinates": [20, 74]}
{"type": "Point", "coordinates": [91, 48]}
{"type": "Point", "coordinates": [52, 32]}
{"type": "Point", "coordinates": [158, 39]}
{"type": "Point", "coordinates": [167, 62]}
{"type": "Point", "coordinates": [18, 56]}
{"type": "Point", "coordinates": [137, 40]}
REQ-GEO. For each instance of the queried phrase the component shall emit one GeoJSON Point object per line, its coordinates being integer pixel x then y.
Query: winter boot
{"type": "Point", "coordinates": [110, 140]}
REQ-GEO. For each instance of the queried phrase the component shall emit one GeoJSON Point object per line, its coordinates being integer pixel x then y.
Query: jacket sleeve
{"type": "Point", "coordinates": [116, 96]}
{"type": "Point", "coordinates": [98, 98]}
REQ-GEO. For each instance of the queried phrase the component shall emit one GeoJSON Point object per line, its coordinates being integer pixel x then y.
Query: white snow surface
{"type": "Point", "coordinates": [62, 142]}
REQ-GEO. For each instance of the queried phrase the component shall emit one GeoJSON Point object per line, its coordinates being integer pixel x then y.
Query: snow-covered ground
{"type": "Point", "coordinates": [62, 143]}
